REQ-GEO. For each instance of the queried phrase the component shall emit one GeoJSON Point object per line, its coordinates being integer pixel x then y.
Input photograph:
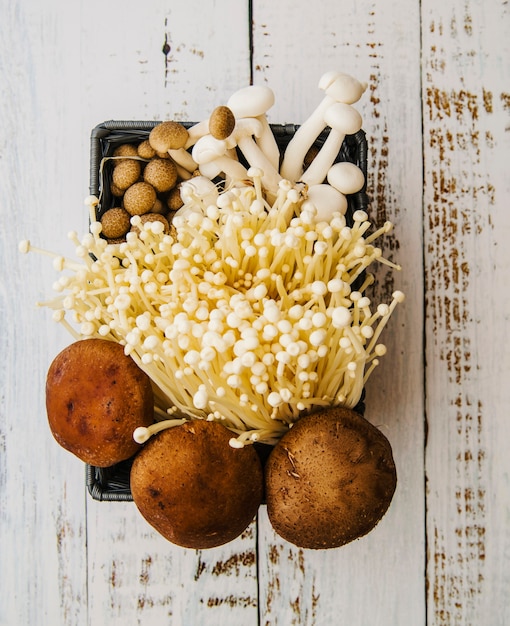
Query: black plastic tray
{"type": "Point", "coordinates": [112, 483]}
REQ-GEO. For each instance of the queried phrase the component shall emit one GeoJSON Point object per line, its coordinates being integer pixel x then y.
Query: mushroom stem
{"type": "Point", "coordinates": [318, 168]}
{"type": "Point", "coordinates": [232, 169]}
{"type": "Point", "coordinates": [343, 120]}
{"type": "Point", "coordinates": [144, 433]}
{"type": "Point", "coordinates": [304, 137]}
{"type": "Point", "coordinates": [242, 136]}
{"type": "Point", "coordinates": [212, 159]}
{"type": "Point", "coordinates": [267, 142]}
{"type": "Point", "coordinates": [184, 159]}
{"type": "Point", "coordinates": [338, 88]}
{"type": "Point", "coordinates": [183, 173]}
{"type": "Point", "coordinates": [196, 132]}
{"type": "Point", "coordinates": [254, 101]}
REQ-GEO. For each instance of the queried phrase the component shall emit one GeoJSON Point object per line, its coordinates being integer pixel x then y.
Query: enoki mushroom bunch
{"type": "Point", "coordinates": [252, 310]}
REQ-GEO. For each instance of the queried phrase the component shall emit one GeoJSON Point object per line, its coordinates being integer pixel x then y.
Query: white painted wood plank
{"type": "Point", "coordinates": [126, 74]}
{"type": "Point", "coordinates": [466, 124]}
{"type": "Point", "coordinates": [42, 509]}
{"type": "Point", "coordinates": [63, 72]}
{"type": "Point", "coordinates": [294, 43]}
{"type": "Point", "coordinates": [58, 66]}
{"type": "Point", "coordinates": [134, 575]}
{"type": "Point", "coordinates": [145, 578]}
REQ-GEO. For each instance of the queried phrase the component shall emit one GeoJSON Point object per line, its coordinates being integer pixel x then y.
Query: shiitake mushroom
{"type": "Point", "coordinates": [95, 397]}
{"type": "Point", "coordinates": [329, 480]}
{"type": "Point", "coordinates": [194, 488]}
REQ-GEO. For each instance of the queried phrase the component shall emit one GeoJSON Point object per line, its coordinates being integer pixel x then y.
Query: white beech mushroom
{"type": "Point", "coordinates": [243, 136]}
{"type": "Point", "coordinates": [255, 101]}
{"type": "Point", "coordinates": [342, 87]}
{"type": "Point", "coordinates": [212, 158]}
{"type": "Point", "coordinates": [199, 190]}
{"type": "Point", "coordinates": [346, 177]}
{"type": "Point", "coordinates": [326, 201]}
{"type": "Point", "coordinates": [338, 88]}
{"type": "Point", "coordinates": [343, 119]}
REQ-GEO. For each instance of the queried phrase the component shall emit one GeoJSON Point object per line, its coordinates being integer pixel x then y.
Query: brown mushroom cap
{"type": "Point", "coordinates": [168, 136]}
{"type": "Point", "coordinates": [329, 480]}
{"type": "Point", "coordinates": [194, 488]}
{"type": "Point", "coordinates": [174, 200]}
{"type": "Point", "coordinates": [95, 398]}
{"type": "Point", "coordinates": [161, 174]}
{"type": "Point", "coordinates": [145, 150]}
{"type": "Point", "coordinates": [139, 198]}
{"type": "Point", "coordinates": [124, 150]}
{"type": "Point", "coordinates": [221, 122]}
{"type": "Point", "coordinates": [159, 207]}
{"type": "Point", "coordinates": [115, 223]}
{"type": "Point", "coordinates": [126, 173]}
{"type": "Point", "coordinates": [116, 191]}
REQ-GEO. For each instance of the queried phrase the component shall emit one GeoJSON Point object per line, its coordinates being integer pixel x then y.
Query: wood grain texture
{"type": "Point", "coordinates": [145, 578]}
{"type": "Point", "coordinates": [177, 69]}
{"type": "Point", "coordinates": [466, 125]}
{"type": "Point", "coordinates": [42, 507]}
{"type": "Point", "coordinates": [306, 587]}
{"type": "Point", "coordinates": [436, 113]}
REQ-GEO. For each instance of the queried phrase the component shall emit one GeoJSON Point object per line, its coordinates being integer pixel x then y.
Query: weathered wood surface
{"type": "Point", "coordinates": [466, 223]}
{"type": "Point", "coordinates": [436, 114]}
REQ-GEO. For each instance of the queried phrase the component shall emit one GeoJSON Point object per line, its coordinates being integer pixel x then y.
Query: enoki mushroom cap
{"type": "Point", "coordinates": [243, 315]}
{"type": "Point", "coordinates": [245, 312]}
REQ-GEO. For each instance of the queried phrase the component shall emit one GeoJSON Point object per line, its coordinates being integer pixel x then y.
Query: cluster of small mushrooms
{"type": "Point", "coordinates": [218, 307]}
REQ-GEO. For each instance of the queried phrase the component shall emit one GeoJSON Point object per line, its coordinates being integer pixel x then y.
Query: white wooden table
{"type": "Point", "coordinates": [437, 119]}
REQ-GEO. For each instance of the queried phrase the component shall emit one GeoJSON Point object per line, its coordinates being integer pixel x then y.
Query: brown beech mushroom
{"type": "Point", "coordinates": [329, 480]}
{"type": "Point", "coordinates": [116, 191]}
{"type": "Point", "coordinates": [145, 150]}
{"type": "Point", "coordinates": [115, 223]}
{"type": "Point", "coordinates": [139, 198]}
{"type": "Point", "coordinates": [171, 137]}
{"type": "Point", "coordinates": [221, 122]}
{"type": "Point", "coordinates": [126, 173]}
{"type": "Point", "coordinates": [168, 136]}
{"type": "Point", "coordinates": [161, 174]}
{"type": "Point", "coordinates": [174, 199]}
{"type": "Point", "coordinates": [159, 207]}
{"type": "Point", "coordinates": [95, 397]}
{"type": "Point", "coordinates": [124, 150]}
{"type": "Point", "coordinates": [194, 488]}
